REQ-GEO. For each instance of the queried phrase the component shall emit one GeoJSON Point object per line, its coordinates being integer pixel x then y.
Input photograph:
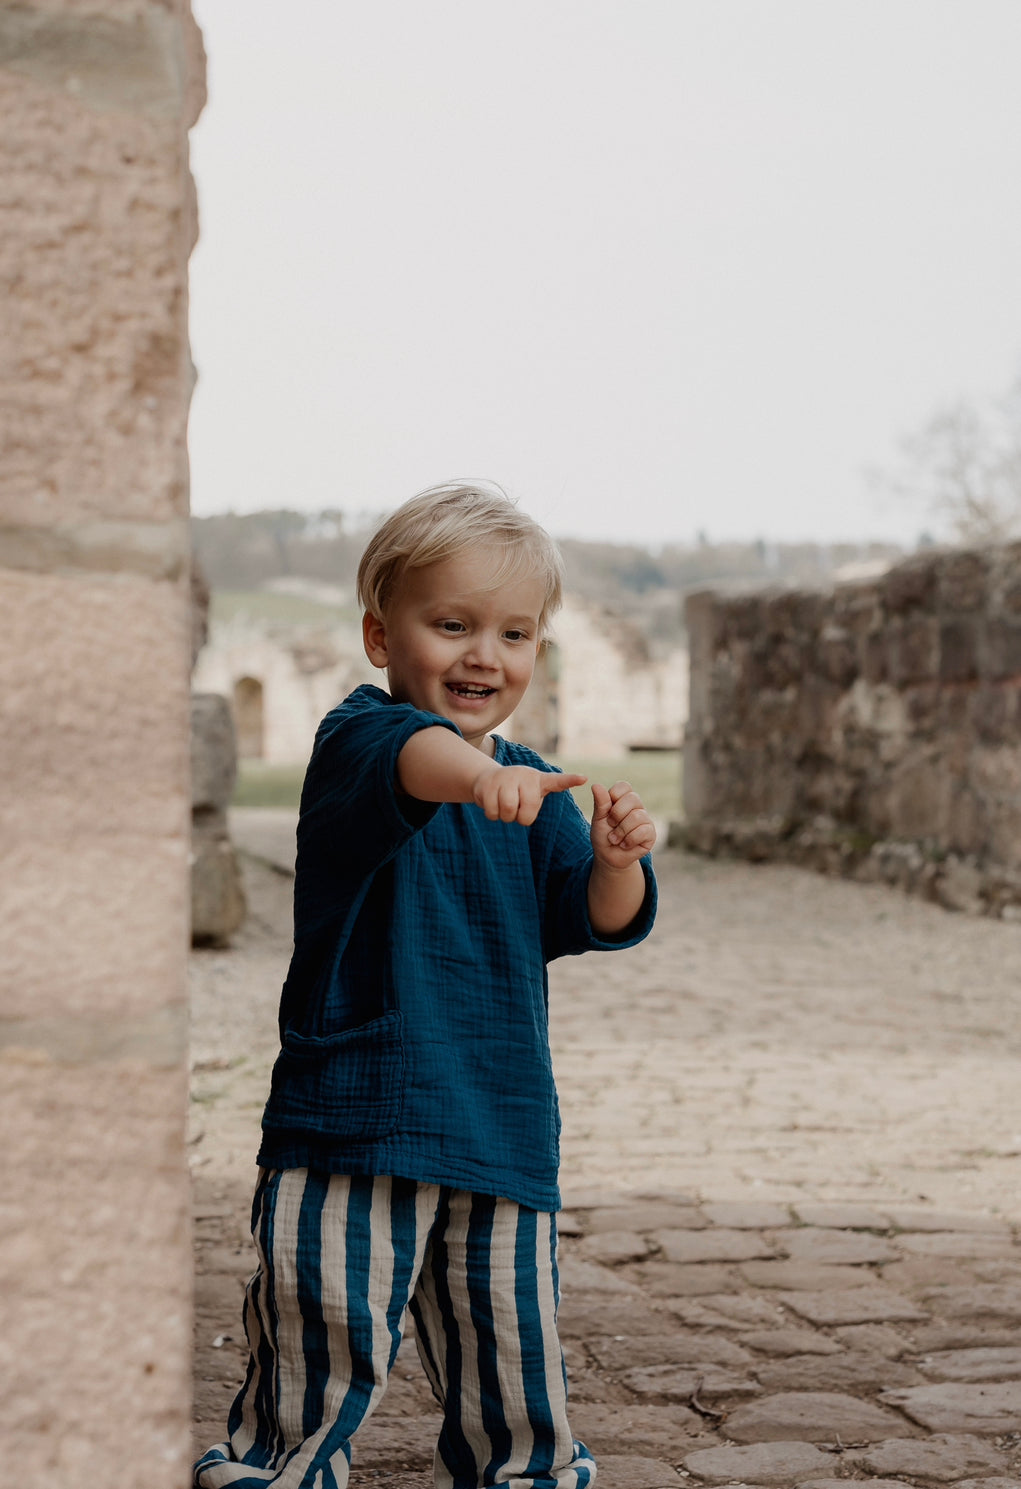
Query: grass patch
{"type": "Point", "coordinates": [276, 608]}
{"type": "Point", "coordinates": [263, 785]}
{"type": "Point", "coordinates": [655, 775]}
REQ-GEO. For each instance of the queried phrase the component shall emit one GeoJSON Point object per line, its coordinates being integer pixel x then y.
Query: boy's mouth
{"type": "Point", "coordinates": [469, 690]}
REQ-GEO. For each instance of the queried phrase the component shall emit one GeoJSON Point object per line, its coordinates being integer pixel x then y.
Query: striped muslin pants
{"type": "Point", "coordinates": [341, 1260]}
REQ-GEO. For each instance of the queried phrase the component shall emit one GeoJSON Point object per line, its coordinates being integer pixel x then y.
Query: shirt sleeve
{"type": "Point", "coordinates": [567, 929]}
{"type": "Point", "coordinates": [353, 818]}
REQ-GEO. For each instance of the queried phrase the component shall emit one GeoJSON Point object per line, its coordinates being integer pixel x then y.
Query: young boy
{"type": "Point", "coordinates": [410, 1147]}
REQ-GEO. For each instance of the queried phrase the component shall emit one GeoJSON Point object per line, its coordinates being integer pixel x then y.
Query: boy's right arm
{"type": "Point", "coordinates": [438, 765]}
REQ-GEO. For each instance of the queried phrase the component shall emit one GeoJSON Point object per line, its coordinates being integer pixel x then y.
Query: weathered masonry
{"type": "Point", "coordinates": [96, 98]}
{"type": "Point", "coordinates": [874, 730]}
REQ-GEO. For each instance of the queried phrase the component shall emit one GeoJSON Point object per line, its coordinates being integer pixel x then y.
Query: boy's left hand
{"type": "Point", "coordinates": [622, 830]}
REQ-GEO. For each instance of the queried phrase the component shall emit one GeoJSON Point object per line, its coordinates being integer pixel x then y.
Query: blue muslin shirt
{"type": "Point", "coordinates": [413, 1019]}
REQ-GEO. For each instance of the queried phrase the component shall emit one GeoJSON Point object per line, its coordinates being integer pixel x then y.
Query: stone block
{"type": "Point", "coordinates": [834, 1247]}
{"type": "Point", "coordinates": [920, 797]}
{"type": "Point", "coordinates": [960, 649]}
{"type": "Point", "coordinates": [841, 1217]}
{"type": "Point", "coordinates": [218, 905]}
{"type": "Point", "coordinates": [98, 220]}
{"type": "Point", "coordinates": [944, 1458]}
{"type": "Point", "coordinates": [620, 1471]}
{"type": "Point", "coordinates": [677, 1280]}
{"type": "Point", "coordinates": [962, 580]}
{"type": "Point", "coordinates": [790, 1341]}
{"type": "Point", "coordinates": [715, 1245]}
{"type": "Point", "coordinates": [1000, 657]}
{"type": "Point", "coordinates": [993, 713]}
{"type": "Point", "coordinates": [851, 1371]}
{"type": "Point", "coordinates": [726, 1311]}
{"type": "Point", "coordinates": [213, 752]}
{"type": "Point", "coordinates": [816, 707]}
{"type": "Point", "coordinates": [967, 835]}
{"type": "Point", "coordinates": [632, 1428]}
{"type": "Point", "coordinates": [747, 1214]}
{"type": "Point", "coordinates": [95, 1269]}
{"type": "Point", "coordinates": [967, 1245]}
{"type": "Point", "coordinates": [582, 1317]}
{"type": "Point", "coordinates": [776, 664]}
{"type": "Point", "coordinates": [836, 655]}
{"type": "Point", "coordinates": [613, 1247]}
{"type": "Point", "coordinates": [93, 706]}
{"type": "Point", "coordinates": [860, 1305]}
{"type": "Point", "coordinates": [842, 1483]}
{"type": "Point", "coordinates": [670, 1347]}
{"type": "Point", "coordinates": [926, 707]}
{"type": "Point", "coordinates": [744, 616]}
{"type": "Point", "coordinates": [876, 1339]}
{"type": "Point", "coordinates": [912, 649]}
{"type": "Point", "coordinates": [910, 585]}
{"type": "Point", "coordinates": [804, 1276]}
{"type": "Point", "coordinates": [956, 1327]}
{"type": "Point", "coordinates": [918, 1219]}
{"type": "Point", "coordinates": [120, 903]}
{"type": "Point", "coordinates": [984, 1363]}
{"type": "Point", "coordinates": [872, 657]}
{"type": "Point", "coordinates": [644, 1215]}
{"type": "Point", "coordinates": [760, 1463]}
{"type": "Point", "coordinates": [994, 1406]}
{"type": "Point", "coordinates": [680, 1383]}
{"type": "Point", "coordinates": [810, 1416]}
{"type": "Point", "coordinates": [578, 1275]}
{"type": "Point", "coordinates": [856, 605]}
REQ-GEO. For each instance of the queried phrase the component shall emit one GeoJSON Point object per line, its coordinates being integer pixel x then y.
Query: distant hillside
{"type": "Point", "coordinates": [263, 550]}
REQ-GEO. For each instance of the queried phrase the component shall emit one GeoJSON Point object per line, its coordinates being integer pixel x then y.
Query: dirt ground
{"type": "Point", "coordinates": [781, 1041]}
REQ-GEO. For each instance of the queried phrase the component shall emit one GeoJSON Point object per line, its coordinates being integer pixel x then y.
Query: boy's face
{"type": "Point", "coordinates": [456, 646]}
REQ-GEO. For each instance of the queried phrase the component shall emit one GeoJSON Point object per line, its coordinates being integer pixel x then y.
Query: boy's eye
{"type": "Point", "coordinates": [453, 627]}
{"type": "Point", "coordinates": [516, 635]}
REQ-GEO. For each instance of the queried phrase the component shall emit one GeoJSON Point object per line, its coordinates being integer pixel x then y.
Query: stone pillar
{"type": "Point", "coordinates": [96, 98]}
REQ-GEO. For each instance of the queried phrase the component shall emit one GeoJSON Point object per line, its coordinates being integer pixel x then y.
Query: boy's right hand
{"type": "Point", "coordinates": [514, 793]}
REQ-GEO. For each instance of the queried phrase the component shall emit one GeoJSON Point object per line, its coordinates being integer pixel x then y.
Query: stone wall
{"type": "Point", "coordinates": [872, 730]}
{"type": "Point", "coordinates": [96, 98]}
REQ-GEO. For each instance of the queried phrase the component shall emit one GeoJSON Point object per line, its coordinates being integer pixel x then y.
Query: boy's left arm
{"type": "Point", "coordinates": [622, 832]}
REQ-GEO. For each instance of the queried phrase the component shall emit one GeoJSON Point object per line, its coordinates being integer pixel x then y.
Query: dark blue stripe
{"type": "Point", "coordinates": [358, 1260]}
{"type": "Point", "coordinates": [314, 1338]}
{"type": "Point", "coordinates": [259, 1317]}
{"type": "Point", "coordinates": [452, 1446]}
{"type": "Point", "coordinates": [404, 1244]}
{"type": "Point", "coordinates": [533, 1344]}
{"type": "Point", "coordinates": [555, 1274]}
{"type": "Point", "coordinates": [480, 1298]}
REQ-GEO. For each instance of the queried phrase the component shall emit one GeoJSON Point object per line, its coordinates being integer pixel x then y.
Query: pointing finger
{"type": "Point", "coordinates": [554, 781]}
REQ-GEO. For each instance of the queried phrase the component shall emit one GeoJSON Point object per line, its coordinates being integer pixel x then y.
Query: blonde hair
{"type": "Point", "coordinates": [445, 520]}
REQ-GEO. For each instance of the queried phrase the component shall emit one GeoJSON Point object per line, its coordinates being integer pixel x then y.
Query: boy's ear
{"type": "Point", "coordinates": [374, 639]}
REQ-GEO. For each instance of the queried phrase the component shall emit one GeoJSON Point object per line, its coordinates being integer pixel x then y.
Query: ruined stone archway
{"type": "Point", "coordinates": [249, 718]}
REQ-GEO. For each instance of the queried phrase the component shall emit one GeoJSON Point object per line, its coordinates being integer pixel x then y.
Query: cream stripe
{"type": "Point", "coordinates": [553, 1354]}
{"type": "Point", "coordinates": [470, 1405]}
{"type": "Point", "coordinates": [332, 1260]}
{"type": "Point", "coordinates": [508, 1338]}
{"type": "Point", "coordinates": [290, 1359]}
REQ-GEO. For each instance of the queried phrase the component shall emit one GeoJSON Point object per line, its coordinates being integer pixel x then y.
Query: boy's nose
{"type": "Point", "coordinates": [482, 651]}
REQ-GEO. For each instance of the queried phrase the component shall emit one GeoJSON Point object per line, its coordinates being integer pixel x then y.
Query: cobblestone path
{"type": "Point", "coordinates": [792, 1148]}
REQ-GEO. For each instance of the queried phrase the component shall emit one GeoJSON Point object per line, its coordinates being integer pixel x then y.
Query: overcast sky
{"type": "Point", "coordinates": [656, 266]}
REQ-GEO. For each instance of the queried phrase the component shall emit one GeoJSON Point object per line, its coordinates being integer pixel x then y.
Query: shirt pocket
{"type": "Point", "coordinates": [348, 1085]}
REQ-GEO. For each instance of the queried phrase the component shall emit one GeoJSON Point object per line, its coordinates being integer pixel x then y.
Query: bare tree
{"type": "Point", "coordinates": [964, 466]}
